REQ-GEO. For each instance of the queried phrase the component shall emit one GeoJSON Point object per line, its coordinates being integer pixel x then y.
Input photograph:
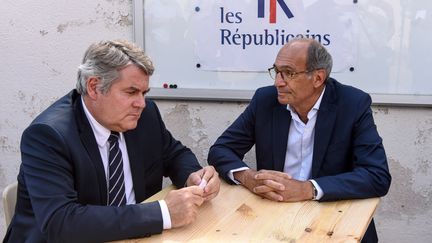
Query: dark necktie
{"type": "Point", "coordinates": [116, 196]}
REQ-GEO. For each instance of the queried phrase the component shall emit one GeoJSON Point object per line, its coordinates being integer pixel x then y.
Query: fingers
{"type": "Point", "coordinates": [210, 182]}
{"type": "Point", "coordinates": [272, 196]}
{"type": "Point", "coordinates": [272, 175]}
{"type": "Point", "coordinates": [264, 188]}
{"type": "Point", "coordinates": [209, 172]}
{"type": "Point", "coordinates": [275, 180]}
{"type": "Point", "coordinates": [198, 196]}
{"type": "Point", "coordinates": [212, 188]}
{"type": "Point", "coordinates": [194, 178]}
{"type": "Point", "coordinates": [269, 193]}
{"type": "Point", "coordinates": [207, 179]}
{"type": "Point", "coordinates": [202, 176]}
{"type": "Point", "coordinates": [183, 205]}
{"type": "Point", "coordinates": [272, 184]}
{"type": "Point", "coordinates": [192, 194]}
{"type": "Point", "coordinates": [269, 189]}
{"type": "Point", "coordinates": [275, 185]}
{"type": "Point", "coordinates": [293, 191]}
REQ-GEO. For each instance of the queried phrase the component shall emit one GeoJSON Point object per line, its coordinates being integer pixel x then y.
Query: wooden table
{"type": "Point", "coordinates": [237, 215]}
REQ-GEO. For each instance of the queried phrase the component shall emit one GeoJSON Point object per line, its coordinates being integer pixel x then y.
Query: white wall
{"type": "Point", "coordinates": [42, 43]}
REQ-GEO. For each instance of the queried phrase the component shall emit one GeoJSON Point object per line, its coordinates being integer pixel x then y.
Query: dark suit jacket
{"type": "Point", "coordinates": [348, 157]}
{"type": "Point", "coordinates": [62, 189]}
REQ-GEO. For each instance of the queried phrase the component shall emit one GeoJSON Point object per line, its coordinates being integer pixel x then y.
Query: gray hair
{"type": "Point", "coordinates": [104, 60]}
{"type": "Point", "coordinates": [318, 58]}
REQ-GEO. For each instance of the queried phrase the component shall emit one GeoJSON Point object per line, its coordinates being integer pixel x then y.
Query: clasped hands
{"type": "Point", "coordinates": [275, 185]}
{"type": "Point", "coordinates": [183, 203]}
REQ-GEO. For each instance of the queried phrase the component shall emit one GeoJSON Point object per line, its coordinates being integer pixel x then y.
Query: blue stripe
{"type": "Point", "coordinates": [260, 8]}
{"type": "Point", "coordinates": [285, 8]}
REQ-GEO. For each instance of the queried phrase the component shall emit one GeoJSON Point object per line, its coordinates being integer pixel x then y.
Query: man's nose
{"type": "Point", "coordinates": [279, 81]}
{"type": "Point", "coordinates": [140, 102]}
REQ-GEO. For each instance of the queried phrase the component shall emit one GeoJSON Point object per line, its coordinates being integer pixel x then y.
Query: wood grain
{"type": "Point", "coordinates": [237, 215]}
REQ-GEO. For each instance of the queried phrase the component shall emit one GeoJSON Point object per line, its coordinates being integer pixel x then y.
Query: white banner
{"type": "Point", "coordinates": [245, 35]}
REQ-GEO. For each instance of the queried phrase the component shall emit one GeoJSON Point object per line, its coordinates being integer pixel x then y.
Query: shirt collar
{"type": "Point", "coordinates": [101, 133]}
{"type": "Point", "coordinates": [314, 108]}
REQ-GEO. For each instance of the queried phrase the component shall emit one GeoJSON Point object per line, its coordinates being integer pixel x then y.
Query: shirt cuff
{"type": "Point", "coordinates": [231, 174]}
{"type": "Point", "coordinates": [166, 218]}
{"type": "Point", "coordinates": [320, 192]}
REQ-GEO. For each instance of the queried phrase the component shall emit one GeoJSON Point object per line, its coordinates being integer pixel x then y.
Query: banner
{"type": "Point", "coordinates": [245, 35]}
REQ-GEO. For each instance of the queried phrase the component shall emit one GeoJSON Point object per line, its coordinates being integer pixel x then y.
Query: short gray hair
{"type": "Point", "coordinates": [104, 60]}
{"type": "Point", "coordinates": [318, 58]}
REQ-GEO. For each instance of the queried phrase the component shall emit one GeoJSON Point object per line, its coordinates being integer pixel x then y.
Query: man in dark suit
{"type": "Point", "coordinates": [315, 139]}
{"type": "Point", "coordinates": [95, 154]}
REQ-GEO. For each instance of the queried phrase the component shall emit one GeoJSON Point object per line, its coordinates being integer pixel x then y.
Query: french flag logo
{"type": "Point", "coordinates": [272, 18]}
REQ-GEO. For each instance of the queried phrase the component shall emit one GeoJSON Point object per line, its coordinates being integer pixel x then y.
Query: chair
{"type": "Point", "coordinates": [9, 200]}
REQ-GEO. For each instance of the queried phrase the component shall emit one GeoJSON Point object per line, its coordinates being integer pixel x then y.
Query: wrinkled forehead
{"type": "Point", "coordinates": [292, 55]}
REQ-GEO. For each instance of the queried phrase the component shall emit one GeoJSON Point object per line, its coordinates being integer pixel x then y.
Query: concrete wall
{"type": "Point", "coordinates": [42, 43]}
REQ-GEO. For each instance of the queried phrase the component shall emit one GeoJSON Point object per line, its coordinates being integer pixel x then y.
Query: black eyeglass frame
{"type": "Point", "coordinates": [289, 75]}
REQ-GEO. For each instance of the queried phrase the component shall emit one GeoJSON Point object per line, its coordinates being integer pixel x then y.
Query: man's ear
{"type": "Point", "coordinates": [319, 77]}
{"type": "Point", "coordinates": [92, 84]}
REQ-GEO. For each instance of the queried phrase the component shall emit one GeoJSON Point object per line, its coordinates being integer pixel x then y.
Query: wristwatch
{"type": "Point", "coordinates": [315, 192]}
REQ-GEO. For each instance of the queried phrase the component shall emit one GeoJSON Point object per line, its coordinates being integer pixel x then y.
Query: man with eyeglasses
{"type": "Point", "coordinates": [315, 138]}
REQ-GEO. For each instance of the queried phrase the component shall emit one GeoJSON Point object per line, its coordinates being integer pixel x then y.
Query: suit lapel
{"type": "Point", "coordinates": [281, 124]}
{"type": "Point", "coordinates": [324, 127]}
{"type": "Point", "coordinates": [89, 142]}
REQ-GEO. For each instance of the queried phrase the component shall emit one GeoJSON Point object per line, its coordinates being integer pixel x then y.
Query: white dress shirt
{"type": "Point", "coordinates": [299, 153]}
{"type": "Point", "coordinates": [102, 134]}
{"type": "Point", "coordinates": [300, 145]}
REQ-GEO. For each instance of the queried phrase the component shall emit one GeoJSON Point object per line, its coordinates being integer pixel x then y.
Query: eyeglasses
{"type": "Point", "coordinates": [286, 75]}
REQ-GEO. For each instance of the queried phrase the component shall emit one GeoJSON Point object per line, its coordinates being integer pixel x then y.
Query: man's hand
{"type": "Point", "coordinates": [270, 188]}
{"type": "Point", "coordinates": [208, 178]}
{"type": "Point", "coordinates": [279, 186]}
{"type": "Point", "coordinates": [247, 178]}
{"type": "Point", "coordinates": [275, 185]}
{"type": "Point", "coordinates": [183, 205]}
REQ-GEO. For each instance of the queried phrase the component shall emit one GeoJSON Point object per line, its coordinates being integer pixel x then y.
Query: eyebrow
{"type": "Point", "coordinates": [284, 68]}
{"type": "Point", "coordinates": [132, 88]}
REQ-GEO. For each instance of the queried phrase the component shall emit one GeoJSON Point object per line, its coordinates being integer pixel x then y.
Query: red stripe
{"type": "Point", "coordinates": [272, 11]}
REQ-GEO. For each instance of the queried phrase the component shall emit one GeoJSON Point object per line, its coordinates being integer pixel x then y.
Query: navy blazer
{"type": "Point", "coordinates": [349, 160]}
{"type": "Point", "coordinates": [62, 189]}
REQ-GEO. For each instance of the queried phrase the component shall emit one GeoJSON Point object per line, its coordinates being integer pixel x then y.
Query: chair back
{"type": "Point", "coordinates": [9, 201]}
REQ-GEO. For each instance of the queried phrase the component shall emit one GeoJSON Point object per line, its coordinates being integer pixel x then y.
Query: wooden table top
{"type": "Point", "coordinates": [237, 215]}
